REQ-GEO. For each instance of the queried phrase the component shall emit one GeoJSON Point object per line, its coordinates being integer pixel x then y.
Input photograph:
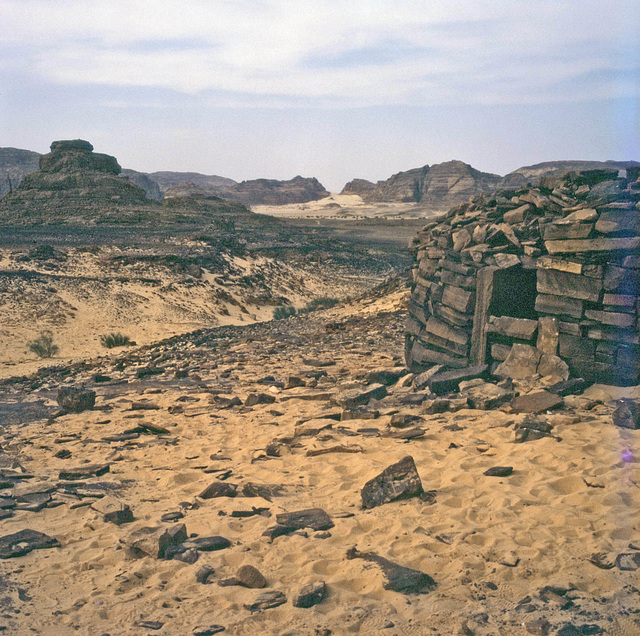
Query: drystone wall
{"type": "Point", "coordinates": [541, 280]}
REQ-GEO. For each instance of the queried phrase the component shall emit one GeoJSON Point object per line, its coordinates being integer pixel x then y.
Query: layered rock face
{"type": "Point", "coordinates": [273, 192]}
{"type": "Point", "coordinates": [167, 180]}
{"type": "Point", "coordinates": [15, 165]}
{"type": "Point", "coordinates": [533, 280]}
{"type": "Point", "coordinates": [439, 186]}
{"type": "Point", "coordinates": [72, 181]}
{"type": "Point", "coordinates": [144, 181]}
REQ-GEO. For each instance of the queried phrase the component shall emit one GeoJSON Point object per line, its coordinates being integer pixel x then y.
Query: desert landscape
{"type": "Point", "coordinates": [319, 319]}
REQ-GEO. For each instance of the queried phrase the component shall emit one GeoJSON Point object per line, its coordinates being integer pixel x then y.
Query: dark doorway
{"type": "Point", "coordinates": [514, 293]}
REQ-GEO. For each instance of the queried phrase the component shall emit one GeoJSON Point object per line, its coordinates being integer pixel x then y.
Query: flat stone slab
{"type": "Point", "coordinates": [266, 600]}
{"type": "Point", "coordinates": [447, 381]}
{"type": "Point", "coordinates": [310, 595]}
{"type": "Point", "coordinates": [536, 402]}
{"type": "Point", "coordinates": [83, 472]}
{"type": "Point", "coordinates": [219, 489]}
{"type": "Point", "coordinates": [20, 543]}
{"type": "Point", "coordinates": [357, 397]}
{"type": "Point", "coordinates": [314, 518]}
{"type": "Point", "coordinates": [398, 481]}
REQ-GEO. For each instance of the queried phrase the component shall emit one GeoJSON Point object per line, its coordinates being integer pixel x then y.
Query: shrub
{"type": "Point", "coordinates": [283, 312]}
{"type": "Point", "coordinates": [114, 339]}
{"type": "Point", "coordinates": [324, 302]}
{"type": "Point", "coordinates": [43, 345]}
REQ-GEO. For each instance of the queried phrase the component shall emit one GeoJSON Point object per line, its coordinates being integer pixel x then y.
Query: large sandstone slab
{"type": "Point", "coordinates": [357, 397]}
{"type": "Point", "coordinates": [398, 481]}
{"type": "Point", "coordinates": [559, 305]}
{"type": "Point", "coordinates": [577, 246]}
{"type": "Point", "coordinates": [566, 284]}
{"type": "Point", "coordinates": [522, 362]}
{"type": "Point", "coordinates": [521, 328]}
{"type": "Point", "coordinates": [447, 381]}
{"type": "Point", "coordinates": [612, 221]}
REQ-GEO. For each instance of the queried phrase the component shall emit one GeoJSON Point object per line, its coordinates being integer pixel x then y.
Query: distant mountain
{"type": "Point", "coordinates": [15, 165]}
{"type": "Point", "coordinates": [532, 175]}
{"type": "Point", "coordinates": [274, 192]}
{"type": "Point", "coordinates": [166, 180]}
{"type": "Point", "coordinates": [441, 185]}
{"type": "Point", "coordinates": [144, 181]}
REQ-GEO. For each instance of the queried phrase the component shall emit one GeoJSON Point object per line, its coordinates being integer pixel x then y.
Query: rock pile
{"type": "Point", "coordinates": [533, 280]}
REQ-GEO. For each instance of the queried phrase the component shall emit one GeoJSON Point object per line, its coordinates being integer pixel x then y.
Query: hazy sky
{"type": "Point", "coordinates": [325, 88]}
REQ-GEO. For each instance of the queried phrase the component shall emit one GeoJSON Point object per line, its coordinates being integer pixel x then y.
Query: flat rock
{"type": "Point", "coordinates": [385, 376]}
{"type": "Point", "coordinates": [627, 413]}
{"type": "Point", "coordinates": [259, 398]}
{"type": "Point", "coordinates": [83, 472]}
{"type": "Point", "coordinates": [486, 396]}
{"type": "Point", "coordinates": [310, 595]}
{"type": "Point", "coordinates": [22, 542]}
{"type": "Point", "coordinates": [210, 630]}
{"type": "Point", "coordinates": [398, 481]}
{"type": "Point", "coordinates": [266, 600]}
{"type": "Point", "coordinates": [314, 518]}
{"type": "Point", "coordinates": [628, 561]}
{"type": "Point", "coordinates": [522, 362]}
{"type": "Point", "coordinates": [499, 471]}
{"type": "Point", "coordinates": [207, 544]}
{"type": "Point", "coordinates": [357, 397]}
{"type": "Point", "coordinates": [154, 541]}
{"type": "Point", "coordinates": [447, 381]}
{"type": "Point", "coordinates": [313, 427]}
{"type": "Point", "coordinates": [531, 428]}
{"type": "Point", "coordinates": [113, 510]}
{"type": "Point", "coordinates": [536, 402]}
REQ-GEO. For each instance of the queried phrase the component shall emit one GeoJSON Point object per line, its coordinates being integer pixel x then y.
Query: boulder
{"type": "Point", "coordinates": [627, 413]}
{"type": "Point", "coordinates": [22, 542]}
{"type": "Point", "coordinates": [155, 541]}
{"type": "Point", "coordinates": [398, 481]}
{"type": "Point", "coordinates": [310, 595]}
{"type": "Point", "coordinates": [314, 518]}
{"type": "Point", "coordinates": [75, 400]}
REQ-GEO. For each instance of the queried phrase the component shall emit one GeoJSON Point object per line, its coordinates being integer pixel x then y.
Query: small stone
{"type": "Point", "coordinates": [314, 518]}
{"type": "Point", "coordinates": [154, 625]}
{"type": "Point", "coordinates": [113, 510]}
{"type": "Point", "coordinates": [538, 627]}
{"type": "Point", "coordinates": [219, 489]}
{"type": "Point", "coordinates": [211, 630]}
{"type": "Point", "coordinates": [628, 561]}
{"type": "Point", "coordinates": [358, 397]}
{"type": "Point", "coordinates": [188, 556]}
{"type": "Point", "coordinates": [207, 544]}
{"type": "Point", "coordinates": [248, 576]}
{"type": "Point", "coordinates": [172, 516]}
{"type": "Point", "coordinates": [536, 402]}
{"type": "Point", "coordinates": [266, 600]}
{"type": "Point", "coordinates": [155, 541]}
{"type": "Point", "coordinates": [83, 472]}
{"type": "Point", "coordinates": [259, 398]}
{"type": "Point", "coordinates": [627, 413]}
{"type": "Point", "coordinates": [310, 595]}
{"type": "Point", "coordinates": [203, 574]}
{"type": "Point", "coordinates": [398, 481]}
{"type": "Point", "coordinates": [602, 560]}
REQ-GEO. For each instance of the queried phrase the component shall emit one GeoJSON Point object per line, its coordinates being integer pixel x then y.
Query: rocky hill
{"type": "Point", "coordinates": [533, 175]}
{"type": "Point", "coordinates": [15, 165]}
{"type": "Point", "coordinates": [72, 182]}
{"type": "Point", "coordinates": [439, 186]}
{"type": "Point", "coordinates": [274, 192]}
{"type": "Point", "coordinates": [167, 180]}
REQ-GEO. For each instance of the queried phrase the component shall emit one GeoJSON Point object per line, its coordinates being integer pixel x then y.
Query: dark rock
{"type": "Point", "coordinates": [408, 433]}
{"type": "Point", "coordinates": [63, 454]}
{"type": "Point", "coordinates": [358, 413]}
{"type": "Point", "coordinates": [385, 376]}
{"type": "Point", "coordinates": [602, 560]}
{"type": "Point", "coordinates": [568, 387]}
{"type": "Point", "coordinates": [399, 578]}
{"type": "Point", "coordinates": [487, 396]}
{"type": "Point", "coordinates": [259, 398]}
{"type": "Point", "coordinates": [579, 630]}
{"type": "Point", "coordinates": [314, 518]}
{"type": "Point", "coordinates": [448, 381]}
{"type": "Point", "coordinates": [278, 531]}
{"type": "Point", "coordinates": [22, 542]}
{"type": "Point", "coordinates": [293, 381]}
{"type": "Point", "coordinates": [536, 402]}
{"type": "Point", "coordinates": [187, 556]}
{"type": "Point", "coordinates": [266, 600]}
{"type": "Point", "coordinates": [172, 516]}
{"type": "Point", "coordinates": [154, 625]}
{"type": "Point", "coordinates": [398, 481]}
{"type": "Point", "coordinates": [207, 544]}
{"type": "Point", "coordinates": [211, 630]}
{"type": "Point", "coordinates": [531, 428]}
{"type": "Point", "coordinates": [402, 420]}
{"type": "Point", "coordinates": [6, 503]}
{"type": "Point", "coordinates": [203, 574]}
{"type": "Point", "coordinates": [156, 541]}
{"type": "Point", "coordinates": [265, 491]}
{"type": "Point", "coordinates": [310, 595]}
{"type": "Point", "coordinates": [113, 510]}
{"type": "Point", "coordinates": [144, 406]}
{"type": "Point", "coordinates": [538, 627]}
{"type": "Point", "coordinates": [219, 489]}
{"type": "Point", "coordinates": [499, 471]}
{"type": "Point", "coordinates": [357, 397]}
{"type": "Point", "coordinates": [83, 472]}
{"type": "Point", "coordinates": [627, 413]}
{"type": "Point", "coordinates": [75, 400]}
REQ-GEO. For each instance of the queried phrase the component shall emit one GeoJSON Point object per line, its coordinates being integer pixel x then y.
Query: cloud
{"type": "Point", "coordinates": [332, 53]}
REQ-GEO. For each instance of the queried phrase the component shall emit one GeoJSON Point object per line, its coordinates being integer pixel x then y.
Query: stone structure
{"type": "Point", "coordinates": [531, 276]}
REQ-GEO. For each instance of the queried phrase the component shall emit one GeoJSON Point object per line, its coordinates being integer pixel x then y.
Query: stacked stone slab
{"type": "Point", "coordinates": [570, 251]}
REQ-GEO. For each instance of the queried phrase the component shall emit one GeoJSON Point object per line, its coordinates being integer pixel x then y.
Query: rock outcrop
{"type": "Point", "coordinates": [439, 186]}
{"type": "Point", "coordinates": [274, 192]}
{"type": "Point", "coordinates": [15, 165]}
{"type": "Point", "coordinates": [144, 181]}
{"type": "Point", "coordinates": [167, 179]}
{"type": "Point", "coordinates": [72, 182]}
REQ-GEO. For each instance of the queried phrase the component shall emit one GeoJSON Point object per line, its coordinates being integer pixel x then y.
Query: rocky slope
{"type": "Point", "coordinates": [439, 186]}
{"type": "Point", "coordinates": [15, 165]}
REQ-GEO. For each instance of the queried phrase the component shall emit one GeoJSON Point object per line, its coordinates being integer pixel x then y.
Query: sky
{"type": "Point", "coordinates": [333, 89]}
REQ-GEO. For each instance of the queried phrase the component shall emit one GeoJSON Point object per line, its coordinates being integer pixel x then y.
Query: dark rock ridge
{"type": "Point", "coordinates": [144, 181]}
{"type": "Point", "coordinates": [167, 179]}
{"type": "Point", "coordinates": [440, 185]}
{"type": "Point", "coordinates": [72, 181]}
{"type": "Point", "coordinates": [15, 165]}
{"type": "Point", "coordinates": [273, 192]}
{"type": "Point", "coordinates": [535, 174]}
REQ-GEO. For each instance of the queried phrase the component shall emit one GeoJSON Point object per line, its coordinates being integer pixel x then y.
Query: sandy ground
{"type": "Point", "coordinates": [493, 545]}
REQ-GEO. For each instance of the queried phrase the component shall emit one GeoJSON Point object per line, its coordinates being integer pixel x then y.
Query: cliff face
{"type": "Point", "coordinates": [144, 181]}
{"type": "Point", "coordinates": [167, 180]}
{"type": "Point", "coordinates": [15, 165]}
{"type": "Point", "coordinates": [72, 182]}
{"type": "Point", "coordinates": [273, 192]}
{"type": "Point", "coordinates": [438, 186]}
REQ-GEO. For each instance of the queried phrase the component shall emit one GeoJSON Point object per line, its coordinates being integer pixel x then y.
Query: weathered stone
{"type": "Point", "coordinates": [259, 398]}
{"type": "Point", "coordinates": [520, 328]}
{"type": "Point", "coordinates": [398, 577]}
{"type": "Point", "coordinates": [75, 400]}
{"type": "Point", "coordinates": [531, 428]}
{"type": "Point", "coordinates": [486, 396]}
{"type": "Point", "coordinates": [555, 231]}
{"type": "Point", "coordinates": [20, 543]}
{"type": "Point", "coordinates": [522, 362]}
{"type": "Point", "coordinates": [566, 284]}
{"type": "Point", "coordinates": [207, 544]}
{"type": "Point", "coordinates": [314, 518]}
{"type": "Point", "coordinates": [536, 402]}
{"type": "Point", "coordinates": [266, 600]}
{"type": "Point", "coordinates": [312, 427]}
{"type": "Point", "coordinates": [627, 413]}
{"type": "Point", "coordinates": [219, 489]}
{"type": "Point", "coordinates": [310, 595]}
{"type": "Point", "coordinates": [83, 472]}
{"type": "Point", "coordinates": [203, 574]}
{"type": "Point", "coordinates": [251, 577]}
{"type": "Point", "coordinates": [560, 305]}
{"type": "Point", "coordinates": [612, 221]}
{"type": "Point", "coordinates": [568, 387]}
{"type": "Point", "coordinates": [505, 261]}
{"type": "Point", "coordinates": [422, 379]}
{"type": "Point", "coordinates": [209, 630]}
{"type": "Point", "coordinates": [576, 246]}
{"type": "Point", "coordinates": [155, 541]}
{"type": "Point", "coordinates": [548, 333]}
{"type": "Point", "coordinates": [357, 397]}
{"type": "Point", "coordinates": [628, 561]}
{"type": "Point", "coordinates": [517, 215]}
{"type": "Point", "coordinates": [611, 318]}
{"type": "Point", "coordinates": [113, 510]}
{"type": "Point", "coordinates": [459, 299]}
{"type": "Point", "coordinates": [385, 376]}
{"type": "Point", "coordinates": [499, 471]}
{"type": "Point", "coordinates": [398, 481]}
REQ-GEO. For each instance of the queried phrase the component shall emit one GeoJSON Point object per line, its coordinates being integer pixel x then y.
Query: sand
{"type": "Point", "coordinates": [491, 544]}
